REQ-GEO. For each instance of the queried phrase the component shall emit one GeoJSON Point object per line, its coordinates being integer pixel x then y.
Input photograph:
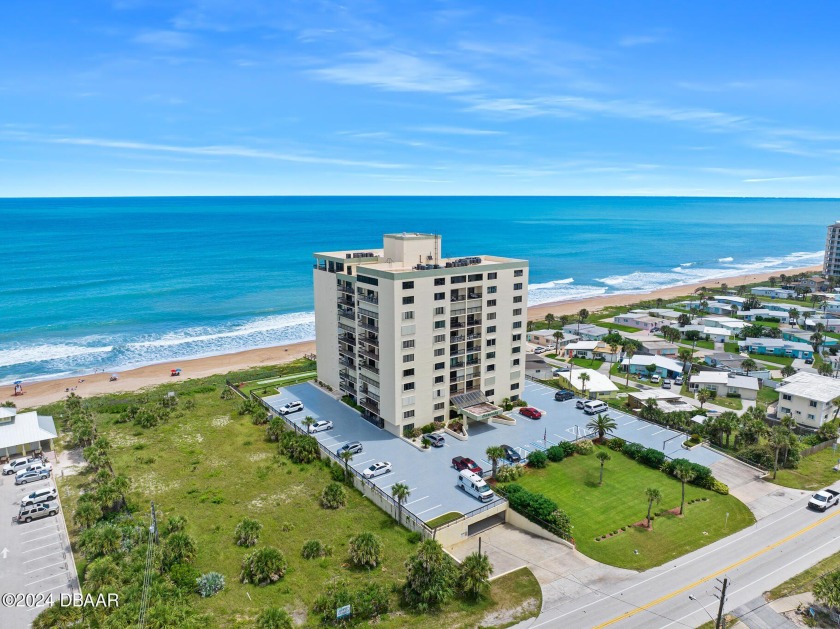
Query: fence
{"type": "Point", "coordinates": [235, 389]}
{"type": "Point", "coordinates": [817, 448]}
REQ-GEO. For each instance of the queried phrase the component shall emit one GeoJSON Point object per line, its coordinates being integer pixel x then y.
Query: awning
{"type": "Point", "coordinates": [474, 405]}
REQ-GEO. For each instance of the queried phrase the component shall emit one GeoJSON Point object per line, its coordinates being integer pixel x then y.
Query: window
{"type": "Point", "coordinates": [517, 312]}
{"type": "Point", "coordinates": [490, 355]}
{"type": "Point", "coordinates": [439, 406]}
{"type": "Point", "coordinates": [491, 303]}
{"type": "Point", "coordinates": [408, 315]}
{"type": "Point", "coordinates": [491, 276]}
{"type": "Point", "coordinates": [438, 379]}
{"type": "Point", "coordinates": [440, 281]}
{"type": "Point", "coordinates": [491, 342]}
{"type": "Point", "coordinates": [440, 338]}
{"type": "Point", "coordinates": [491, 316]}
{"type": "Point", "coordinates": [785, 410]}
{"type": "Point", "coordinates": [517, 337]}
{"type": "Point", "coordinates": [517, 286]}
{"type": "Point", "coordinates": [811, 416]}
{"type": "Point", "coordinates": [408, 285]}
{"type": "Point", "coordinates": [408, 414]}
{"type": "Point", "coordinates": [489, 392]}
{"type": "Point", "coordinates": [408, 386]}
{"type": "Point", "coordinates": [408, 372]}
{"type": "Point", "coordinates": [439, 325]}
{"type": "Point", "coordinates": [517, 325]}
{"type": "Point", "coordinates": [812, 403]}
{"type": "Point", "coordinates": [408, 358]}
{"type": "Point", "coordinates": [517, 299]}
{"type": "Point", "coordinates": [491, 290]}
{"type": "Point", "coordinates": [439, 418]}
{"type": "Point", "coordinates": [514, 386]}
{"type": "Point", "coordinates": [518, 273]}
{"type": "Point", "coordinates": [440, 310]}
{"type": "Point", "coordinates": [364, 279]}
{"type": "Point", "coordinates": [786, 396]}
{"type": "Point", "coordinates": [491, 367]}
{"type": "Point", "coordinates": [515, 350]}
{"type": "Point", "coordinates": [408, 344]}
{"type": "Point", "coordinates": [408, 400]}
{"type": "Point", "coordinates": [515, 362]}
{"type": "Point", "coordinates": [408, 300]}
{"type": "Point", "coordinates": [491, 329]}
{"type": "Point", "coordinates": [440, 296]}
{"type": "Point", "coordinates": [440, 351]}
{"type": "Point", "coordinates": [458, 279]}
{"type": "Point", "coordinates": [476, 277]}
{"type": "Point", "coordinates": [439, 366]}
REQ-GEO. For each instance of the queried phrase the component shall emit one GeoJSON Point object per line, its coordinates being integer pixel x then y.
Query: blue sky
{"type": "Point", "coordinates": [255, 97]}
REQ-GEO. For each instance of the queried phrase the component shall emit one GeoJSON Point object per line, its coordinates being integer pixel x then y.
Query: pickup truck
{"type": "Point", "coordinates": [464, 463]}
{"type": "Point", "coordinates": [824, 499]}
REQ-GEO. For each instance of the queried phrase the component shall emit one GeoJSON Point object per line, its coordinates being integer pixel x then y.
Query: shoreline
{"type": "Point", "coordinates": [52, 390]}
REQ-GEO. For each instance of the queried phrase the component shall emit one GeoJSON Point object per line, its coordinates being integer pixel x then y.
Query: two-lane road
{"type": "Point", "coordinates": [754, 560]}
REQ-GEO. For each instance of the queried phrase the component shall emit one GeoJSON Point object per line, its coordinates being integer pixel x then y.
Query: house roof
{"type": "Point", "coordinates": [598, 382]}
{"type": "Point", "coordinates": [811, 386]}
{"type": "Point", "coordinates": [27, 428]}
{"type": "Point", "coordinates": [659, 361]}
{"type": "Point", "coordinates": [767, 342]}
{"type": "Point", "coordinates": [586, 328]}
{"type": "Point", "coordinates": [707, 329]}
{"type": "Point", "coordinates": [725, 378]}
{"type": "Point", "coordinates": [583, 345]}
{"type": "Point", "coordinates": [656, 343]}
{"type": "Point", "coordinates": [655, 394]}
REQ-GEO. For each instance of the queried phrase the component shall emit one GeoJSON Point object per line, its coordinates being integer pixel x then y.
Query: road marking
{"type": "Point", "coordinates": [43, 528]}
{"type": "Point", "coordinates": [35, 539]}
{"type": "Point", "coordinates": [44, 567]}
{"type": "Point", "coordinates": [643, 427]}
{"type": "Point", "coordinates": [363, 462]}
{"type": "Point", "coordinates": [52, 576]}
{"type": "Point", "coordinates": [429, 509]}
{"type": "Point", "coordinates": [392, 484]}
{"type": "Point", "coordinates": [413, 501]}
{"type": "Point", "coordinates": [58, 552]}
{"type": "Point", "coordinates": [714, 575]}
{"type": "Point", "coordinates": [656, 433]}
{"type": "Point", "coordinates": [630, 422]}
{"type": "Point", "coordinates": [40, 547]}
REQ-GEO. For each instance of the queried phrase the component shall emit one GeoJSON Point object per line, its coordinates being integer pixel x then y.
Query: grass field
{"type": "Point", "coordinates": [804, 581]}
{"type": "Point", "coordinates": [606, 323]}
{"type": "Point", "coordinates": [215, 467]}
{"type": "Point", "coordinates": [766, 395]}
{"type": "Point", "coordinates": [814, 472]}
{"type": "Point", "coordinates": [443, 519]}
{"type": "Point", "coordinates": [588, 363]}
{"type": "Point", "coordinates": [698, 344]}
{"type": "Point", "coordinates": [620, 502]}
{"type": "Point", "coordinates": [770, 358]}
{"type": "Point", "coordinates": [730, 347]}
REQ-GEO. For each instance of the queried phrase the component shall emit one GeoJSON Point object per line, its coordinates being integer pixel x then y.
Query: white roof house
{"type": "Point", "coordinates": [643, 360]}
{"type": "Point", "coordinates": [597, 383]}
{"type": "Point", "coordinates": [728, 323]}
{"type": "Point", "coordinates": [583, 346]}
{"type": "Point", "coordinates": [725, 378]}
{"type": "Point", "coordinates": [811, 386]}
{"type": "Point", "coordinates": [707, 329]}
{"type": "Point", "coordinates": [24, 432]}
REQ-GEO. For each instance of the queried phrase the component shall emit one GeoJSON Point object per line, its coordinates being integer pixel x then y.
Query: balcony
{"type": "Point", "coordinates": [457, 312]}
{"type": "Point", "coordinates": [346, 328]}
{"type": "Point", "coordinates": [456, 352]}
{"type": "Point", "coordinates": [456, 364]}
{"type": "Point", "coordinates": [456, 298]}
{"type": "Point", "coordinates": [474, 361]}
{"type": "Point", "coordinates": [456, 379]}
{"type": "Point", "coordinates": [369, 368]}
{"type": "Point", "coordinates": [368, 354]}
{"type": "Point", "coordinates": [476, 335]}
{"type": "Point", "coordinates": [368, 326]}
{"type": "Point", "coordinates": [368, 313]}
{"type": "Point", "coordinates": [347, 387]}
{"type": "Point", "coordinates": [347, 338]}
{"type": "Point", "coordinates": [474, 296]}
{"type": "Point", "coordinates": [370, 394]}
{"type": "Point", "coordinates": [347, 364]}
{"type": "Point", "coordinates": [471, 350]}
{"type": "Point", "coordinates": [369, 404]}
{"type": "Point", "coordinates": [348, 290]}
{"type": "Point", "coordinates": [344, 311]}
{"type": "Point", "coordinates": [368, 298]}
{"type": "Point", "coordinates": [455, 324]}
{"type": "Point", "coordinates": [457, 338]}
{"type": "Point", "coordinates": [370, 381]}
{"type": "Point", "coordinates": [473, 309]}
{"type": "Point", "coordinates": [473, 323]}
{"type": "Point", "coordinates": [344, 300]}
{"type": "Point", "coordinates": [346, 375]}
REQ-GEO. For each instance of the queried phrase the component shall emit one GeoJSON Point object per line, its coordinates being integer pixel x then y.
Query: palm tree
{"type": "Point", "coordinates": [779, 438]}
{"type": "Point", "coordinates": [728, 421]}
{"type": "Point", "coordinates": [346, 456]}
{"type": "Point", "coordinates": [748, 365]}
{"type": "Point", "coordinates": [793, 313]}
{"type": "Point", "coordinates": [685, 475]}
{"type": "Point", "coordinates": [703, 396]}
{"type": "Point", "coordinates": [825, 369]}
{"type": "Point", "coordinates": [583, 314]}
{"type": "Point", "coordinates": [613, 350]}
{"type": "Point", "coordinates": [788, 371]}
{"type": "Point", "coordinates": [584, 378]}
{"type": "Point", "coordinates": [816, 340]}
{"type": "Point", "coordinates": [494, 455]}
{"type": "Point", "coordinates": [400, 492]}
{"type": "Point", "coordinates": [602, 424]}
{"type": "Point", "coordinates": [603, 457]}
{"type": "Point", "coordinates": [685, 355]}
{"type": "Point", "coordinates": [308, 421]}
{"type": "Point", "coordinates": [724, 287]}
{"type": "Point", "coordinates": [474, 574]}
{"type": "Point", "coordinates": [772, 279]}
{"type": "Point", "coordinates": [549, 319]}
{"type": "Point", "coordinates": [653, 495]}
{"type": "Point", "coordinates": [629, 351]}
{"type": "Point", "coordinates": [558, 336]}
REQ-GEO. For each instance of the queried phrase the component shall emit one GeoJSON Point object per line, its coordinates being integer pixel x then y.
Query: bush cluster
{"type": "Point", "coordinates": [314, 549]}
{"type": "Point", "coordinates": [508, 473]}
{"type": "Point", "coordinates": [617, 444]}
{"type": "Point", "coordinates": [369, 602]}
{"type": "Point", "coordinates": [584, 446]}
{"type": "Point", "coordinates": [299, 448]}
{"type": "Point", "coordinates": [264, 566]}
{"type": "Point", "coordinates": [538, 459]}
{"type": "Point", "coordinates": [539, 509]}
{"type": "Point", "coordinates": [333, 496]}
{"type": "Point", "coordinates": [210, 584]}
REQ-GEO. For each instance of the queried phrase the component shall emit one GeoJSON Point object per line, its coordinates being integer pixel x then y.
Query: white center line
{"type": "Point", "coordinates": [630, 422]}
{"type": "Point", "coordinates": [643, 427]}
{"type": "Point", "coordinates": [394, 483]}
{"type": "Point", "coordinates": [50, 525]}
{"type": "Point", "coordinates": [658, 431]}
{"type": "Point", "coordinates": [35, 539]}
{"type": "Point", "coordinates": [363, 462]}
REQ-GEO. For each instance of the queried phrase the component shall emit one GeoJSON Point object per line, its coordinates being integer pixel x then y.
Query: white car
{"type": "Point", "coordinates": [539, 349]}
{"type": "Point", "coordinates": [655, 377]}
{"type": "Point", "coordinates": [377, 469]}
{"type": "Point", "coordinates": [42, 495]}
{"type": "Point", "coordinates": [291, 407]}
{"type": "Point", "coordinates": [321, 425]}
{"type": "Point", "coordinates": [17, 465]}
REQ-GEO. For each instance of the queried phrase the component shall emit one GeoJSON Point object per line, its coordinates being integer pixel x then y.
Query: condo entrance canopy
{"type": "Point", "coordinates": [474, 405]}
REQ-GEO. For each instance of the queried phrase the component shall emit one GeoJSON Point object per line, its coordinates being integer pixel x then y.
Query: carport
{"type": "Point", "coordinates": [473, 406]}
{"type": "Point", "coordinates": [22, 433]}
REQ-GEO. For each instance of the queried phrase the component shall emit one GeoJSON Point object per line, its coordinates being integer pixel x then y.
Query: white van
{"type": "Point", "coordinates": [474, 485]}
{"type": "Point", "coordinates": [593, 407]}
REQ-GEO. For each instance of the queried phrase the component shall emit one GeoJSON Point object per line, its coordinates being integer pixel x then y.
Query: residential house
{"type": "Point", "coordinates": [712, 307]}
{"type": "Point", "coordinates": [640, 321]}
{"type": "Point", "coordinates": [725, 383]}
{"type": "Point", "coordinates": [24, 433]}
{"type": "Point", "coordinates": [590, 349]}
{"type": "Point", "coordinates": [831, 324]}
{"type": "Point", "coordinates": [762, 314]}
{"type": "Point", "coordinates": [665, 367]}
{"type": "Point", "coordinates": [716, 321]}
{"type": "Point", "coordinates": [815, 283]}
{"type": "Point", "coordinates": [732, 362]}
{"type": "Point", "coordinates": [776, 347]}
{"type": "Point", "coordinates": [773, 292]}
{"type": "Point", "coordinates": [667, 400]}
{"type": "Point", "coordinates": [546, 338]}
{"type": "Point", "coordinates": [718, 335]}
{"type": "Point", "coordinates": [732, 300]}
{"type": "Point", "coordinates": [804, 336]}
{"type": "Point", "coordinates": [537, 368]}
{"type": "Point", "coordinates": [658, 347]}
{"type": "Point", "coordinates": [808, 398]}
{"type": "Point", "coordinates": [587, 331]}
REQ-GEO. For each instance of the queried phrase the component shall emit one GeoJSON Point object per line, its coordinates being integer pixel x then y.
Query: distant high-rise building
{"type": "Point", "coordinates": [831, 264]}
{"type": "Point", "coordinates": [412, 337]}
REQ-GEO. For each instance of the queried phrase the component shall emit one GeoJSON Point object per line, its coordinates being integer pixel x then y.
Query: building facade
{"type": "Point", "coordinates": [403, 331]}
{"type": "Point", "coordinates": [831, 263]}
{"type": "Point", "coordinates": [808, 398]}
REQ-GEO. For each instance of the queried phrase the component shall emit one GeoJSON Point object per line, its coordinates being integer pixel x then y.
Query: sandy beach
{"type": "Point", "coordinates": [47, 391]}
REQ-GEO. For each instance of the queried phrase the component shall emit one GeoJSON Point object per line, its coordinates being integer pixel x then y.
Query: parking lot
{"type": "Point", "coordinates": [430, 475]}
{"type": "Point", "coordinates": [35, 558]}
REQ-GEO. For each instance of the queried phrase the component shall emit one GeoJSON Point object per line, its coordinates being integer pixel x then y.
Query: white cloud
{"type": "Point", "coordinates": [166, 40]}
{"type": "Point", "coordinates": [639, 40]}
{"type": "Point", "coordinates": [788, 178]}
{"type": "Point", "coordinates": [396, 71]}
{"type": "Point", "coordinates": [446, 130]}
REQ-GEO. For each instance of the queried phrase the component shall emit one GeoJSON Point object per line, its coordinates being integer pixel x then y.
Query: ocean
{"type": "Point", "coordinates": [113, 283]}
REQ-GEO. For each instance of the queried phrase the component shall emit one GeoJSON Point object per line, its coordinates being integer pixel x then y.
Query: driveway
{"type": "Point", "coordinates": [36, 558]}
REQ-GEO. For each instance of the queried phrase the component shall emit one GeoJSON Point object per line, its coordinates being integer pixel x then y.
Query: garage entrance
{"type": "Point", "coordinates": [487, 523]}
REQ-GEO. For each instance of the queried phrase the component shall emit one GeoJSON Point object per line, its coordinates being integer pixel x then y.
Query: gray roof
{"type": "Point", "coordinates": [27, 428]}
{"type": "Point", "coordinates": [811, 386]}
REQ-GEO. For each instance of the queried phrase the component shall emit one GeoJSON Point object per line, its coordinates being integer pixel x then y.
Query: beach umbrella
{"type": "Point", "coordinates": [18, 381]}
{"type": "Point", "coordinates": [115, 375]}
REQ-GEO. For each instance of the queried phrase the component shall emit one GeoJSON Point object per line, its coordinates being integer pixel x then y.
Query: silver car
{"type": "Point", "coordinates": [29, 476]}
{"type": "Point", "coordinates": [36, 511]}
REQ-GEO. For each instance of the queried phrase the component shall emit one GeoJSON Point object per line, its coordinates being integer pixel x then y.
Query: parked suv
{"type": "Point", "coordinates": [291, 407]}
{"type": "Point", "coordinates": [42, 495]}
{"type": "Point", "coordinates": [564, 394]}
{"type": "Point", "coordinates": [36, 511]}
{"type": "Point", "coordinates": [17, 465]}
{"type": "Point", "coordinates": [354, 447]}
{"type": "Point", "coordinates": [511, 454]}
{"type": "Point", "coordinates": [28, 476]}
{"type": "Point", "coordinates": [436, 441]}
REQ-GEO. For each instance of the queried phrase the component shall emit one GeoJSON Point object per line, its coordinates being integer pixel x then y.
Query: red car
{"type": "Point", "coordinates": [463, 463]}
{"type": "Point", "coordinates": [530, 411]}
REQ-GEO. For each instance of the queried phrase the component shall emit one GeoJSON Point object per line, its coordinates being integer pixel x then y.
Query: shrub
{"type": "Point", "coordinates": [761, 455]}
{"type": "Point", "coordinates": [555, 454]}
{"type": "Point", "coordinates": [184, 576]}
{"type": "Point", "coordinates": [430, 577]}
{"type": "Point", "coordinates": [274, 618]}
{"type": "Point", "coordinates": [210, 584]}
{"type": "Point", "coordinates": [247, 532]}
{"type": "Point", "coordinates": [652, 458]}
{"type": "Point", "coordinates": [438, 425]}
{"type": "Point", "coordinates": [719, 487]}
{"type": "Point", "coordinates": [616, 443]}
{"type": "Point", "coordinates": [313, 549]}
{"type": "Point", "coordinates": [538, 459]}
{"type": "Point", "coordinates": [584, 446]}
{"type": "Point", "coordinates": [370, 601]}
{"type": "Point", "coordinates": [178, 548]}
{"type": "Point", "coordinates": [568, 447]}
{"type": "Point", "coordinates": [414, 537]}
{"type": "Point", "coordinates": [263, 566]}
{"type": "Point", "coordinates": [366, 550]}
{"type": "Point", "coordinates": [539, 509]}
{"type": "Point", "coordinates": [508, 473]}
{"type": "Point", "coordinates": [336, 472]}
{"type": "Point", "coordinates": [408, 432]}
{"type": "Point", "coordinates": [427, 429]}
{"type": "Point", "coordinates": [299, 448]}
{"type": "Point", "coordinates": [456, 426]}
{"type": "Point", "coordinates": [333, 496]}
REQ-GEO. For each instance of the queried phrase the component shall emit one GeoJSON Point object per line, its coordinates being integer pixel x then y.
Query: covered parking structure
{"type": "Point", "coordinates": [23, 433]}
{"type": "Point", "coordinates": [473, 406]}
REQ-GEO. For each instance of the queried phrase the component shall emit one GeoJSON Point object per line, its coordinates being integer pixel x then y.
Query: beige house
{"type": "Point", "coordinates": [725, 383]}
{"type": "Point", "coordinates": [808, 398]}
{"type": "Point", "coordinates": [405, 332]}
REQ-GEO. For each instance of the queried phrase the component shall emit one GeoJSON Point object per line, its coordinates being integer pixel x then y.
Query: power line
{"type": "Point", "coordinates": [147, 573]}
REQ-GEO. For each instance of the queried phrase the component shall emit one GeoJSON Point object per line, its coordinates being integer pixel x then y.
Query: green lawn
{"type": "Point", "coordinates": [767, 324]}
{"type": "Point", "coordinates": [620, 502]}
{"type": "Point", "coordinates": [214, 466]}
{"type": "Point", "coordinates": [804, 581]}
{"type": "Point", "coordinates": [767, 396]}
{"type": "Point", "coordinates": [270, 385]}
{"type": "Point", "coordinates": [605, 323]}
{"type": "Point", "coordinates": [698, 344]}
{"type": "Point", "coordinates": [588, 363]}
{"type": "Point", "coordinates": [770, 358]}
{"type": "Point", "coordinates": [443, 519]}
{"type": "Point", "coordinates": [730, 347]}
{"type": "Point", "coordinates": [733, 403]}
{"type": "Point", "coordinates": [814, 472]}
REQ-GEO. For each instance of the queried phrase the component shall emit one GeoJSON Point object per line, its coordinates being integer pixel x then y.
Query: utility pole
{"type": "Point", "coordinates": [721, 622]}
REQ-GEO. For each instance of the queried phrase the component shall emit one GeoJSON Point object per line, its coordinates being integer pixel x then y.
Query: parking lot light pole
{"type": "Point", "coordinates": [694, 598]}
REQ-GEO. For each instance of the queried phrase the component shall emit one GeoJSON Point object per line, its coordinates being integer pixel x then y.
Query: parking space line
{"type": "Point", "coordinates": [429, 509]}
{"type": "Point", "coordinates": [363, 462]}
{"type": "Point", "coordinates": [52, 576]}
{"type": "Point", "coordinates": [43, 528]}
{"type": "Point", "coordinates": [643, 427]}
{"type": "Point", "coordinates": [392, 484]}
{"type": "Point", "coordinates": [44, 567]}
{"type": "Point", "coordinates": [633, 421]}
{"type": "Point", "coordinates": [58, 552]}
{"type": "Point", "coordinates": [413, 501]}
{"type": "Point", "coordinates": [55, 588]}
{"type": "Point", "coordinates": [40, 547]}
{"type": "Point", "coordinates": [35, 539]}
{"type": "Point", "coordinates": [658, 431]}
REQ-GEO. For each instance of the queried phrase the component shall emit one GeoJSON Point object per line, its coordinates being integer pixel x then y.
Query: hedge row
{"type": "Point", "coordinates": [539, 509]}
